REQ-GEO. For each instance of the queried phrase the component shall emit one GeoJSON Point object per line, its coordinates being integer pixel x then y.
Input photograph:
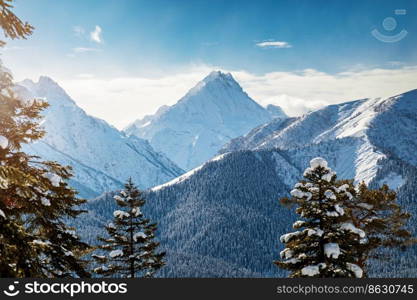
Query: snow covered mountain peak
{"type": "Point", "coordinates": [219, 75]}
{"type": "Point", "coordinates": [200, 123]}
{"type": "Point", "coordinates": [47, 88]}
{"type": "Point", "coordinates": [46, 80]}
{"type": "Point", "coordinates": [216, 80]}
{"type": "Point", "coordinates": [43, 82]}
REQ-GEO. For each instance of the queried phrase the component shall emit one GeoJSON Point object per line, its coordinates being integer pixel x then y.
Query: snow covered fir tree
{"type": "Point", "coordinates": [327, 245]}
{"type": "Point", "coordinates": [371, 212]}
{"type": "Point", "coordinates": [131, 246]}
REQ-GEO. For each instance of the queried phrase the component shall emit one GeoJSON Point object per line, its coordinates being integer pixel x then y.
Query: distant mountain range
{"type": "Point", "coordinates": [199, 124]}
{"type": "Point", "coordinates": [102, 157]}
{"type": "Point", "coordinates": [223, 219]}
{"type": "Point", "coordinates": [379, 128]}
{"type": "Point", "coordinates": [190, 132]}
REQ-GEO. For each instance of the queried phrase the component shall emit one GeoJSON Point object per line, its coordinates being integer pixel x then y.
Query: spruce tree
{"type": "Point", "coordinates": [323, 248]}
{"type": "Point", "coordinates": [131, 246]}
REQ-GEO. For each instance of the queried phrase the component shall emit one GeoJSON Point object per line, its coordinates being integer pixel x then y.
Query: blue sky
{"type": "Point", "coordinates": [150, 39]}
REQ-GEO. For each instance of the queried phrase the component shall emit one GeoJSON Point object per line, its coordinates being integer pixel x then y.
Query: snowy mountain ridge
{"type": "Point", "coordinates": [200, 123]}
{"type": "Point", "coordinates": [102, 156]}
{"type": "Point", "coordinates": [361, 120]}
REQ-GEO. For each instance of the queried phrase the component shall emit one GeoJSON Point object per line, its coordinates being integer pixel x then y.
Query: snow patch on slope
{"type": "Point", "coordinates": [359, 120]}
{"type": "Point", "coordinates": [366, 164]}
{"type": "Point", "coordinates": [188, 174]}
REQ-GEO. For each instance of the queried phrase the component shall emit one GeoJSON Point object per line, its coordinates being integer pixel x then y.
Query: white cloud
{"type": "Point", "coordinates": [85, 49]}
{"type": "Point", "coordinates": [95, 35]}
{"type": "Point", "coordinates": [122, 100]}
{"type": "Point", "coordinates": [274, 44]}
{"type": "Point", "coordinates": [85, 76]}
{"type": "Point", "coordinates": [299, 92]}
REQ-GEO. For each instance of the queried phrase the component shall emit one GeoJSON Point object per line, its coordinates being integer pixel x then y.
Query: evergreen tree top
{"type": "Point", "coordinates": [131, 247]}
{"type": "Point", "coordinates": [321, 246]}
